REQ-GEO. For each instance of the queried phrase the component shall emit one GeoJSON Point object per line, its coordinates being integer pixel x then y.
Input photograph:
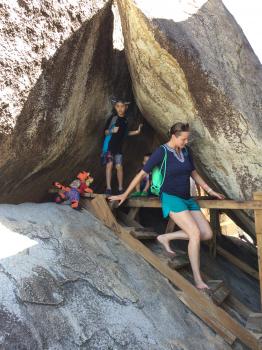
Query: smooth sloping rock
{"type": "Point", "coordinates": [79, 287]}
{"type": "Point", "coordinates": [192, 62]}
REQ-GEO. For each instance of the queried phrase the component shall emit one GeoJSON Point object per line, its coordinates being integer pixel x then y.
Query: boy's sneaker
{"type": "Point", "coordinates": [120, 192]}
{"type": "Point", "coordinates": [108, 192]}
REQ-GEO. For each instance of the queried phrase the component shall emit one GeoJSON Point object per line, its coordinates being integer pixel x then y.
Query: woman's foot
{"type": "Point", "coordinates": [165, 243]}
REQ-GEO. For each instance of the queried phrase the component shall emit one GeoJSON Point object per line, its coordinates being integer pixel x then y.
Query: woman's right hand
{"type": "Point", "coordinates": [217, 195]}
{"type": "Point", "coordinates": [121, 198]}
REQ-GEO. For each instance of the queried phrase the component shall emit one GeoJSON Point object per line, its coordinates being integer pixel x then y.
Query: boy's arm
{"type": "Point", "coordinates": [135, 132]}
{"type": "Point", "coordinates": [113, 131]}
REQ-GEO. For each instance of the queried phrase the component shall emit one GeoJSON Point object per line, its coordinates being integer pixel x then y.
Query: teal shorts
{"type": "Point", "coordinates": [177, 204]}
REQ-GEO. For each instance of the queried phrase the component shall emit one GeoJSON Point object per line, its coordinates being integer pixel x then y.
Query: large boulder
{"type": "Point", "coordinates": [192, 62]}
{"type": "Point", "coordinates": [59, 70]}
{"type": "Point", "coordinates": [68, 283]}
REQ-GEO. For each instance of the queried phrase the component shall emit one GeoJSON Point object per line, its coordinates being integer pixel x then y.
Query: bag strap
{"type": "Point", "coordinates": [112, 123]}
{"type": "Point", "coordinates": [186, 151]}
{"type": "Point", "coordinates": [163, 165]}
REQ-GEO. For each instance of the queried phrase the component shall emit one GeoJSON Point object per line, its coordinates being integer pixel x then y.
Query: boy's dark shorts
{"type": "Point", "coordinates": [117, 159]}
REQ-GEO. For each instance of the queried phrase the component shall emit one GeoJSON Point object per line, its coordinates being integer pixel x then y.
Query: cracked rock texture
{"type": "Point", "coordinates": [190, 61]}
{"type": "Point", "coordinates": [71, 284]}
{"type": "Point", "coordinates": [58, 71]}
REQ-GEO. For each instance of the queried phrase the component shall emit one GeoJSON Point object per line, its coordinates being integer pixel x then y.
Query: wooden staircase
{"type": "Point", "coordinates": [218, 308]}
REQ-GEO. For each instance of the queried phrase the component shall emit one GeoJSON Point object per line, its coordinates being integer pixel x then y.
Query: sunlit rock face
{"type": "Point", "coordinates": [31, 33]}
{"type": "Point", "coordinates": [190, 61]}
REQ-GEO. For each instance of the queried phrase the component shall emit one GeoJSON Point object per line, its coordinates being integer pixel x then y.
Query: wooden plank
{"type": "Point", "coordinates": [104, 213]}
{"type": "Point", "coordinates": [178, 262]}
{"type": "Point", "coordinates": [133, 213]}
{"type": "Point", "coordinates": [86, 204]}
{"type": "Point", "coordinates": [213, 312]}
{"type": "Point", "coordinates": [258, 227]}
{"type": "Point", "coordinates": [127, 221]}
{"type": "Point", "coordinates": [145, 229]}
{"type": "Point", "coordinates": [143, 235]}
{"type": "Point", "coordinates": [219, 292]}
{"type": "Point", "coordinates": [215, 225]}
{"type": "Point", "coordinates": [237, 262]}
{"type": "Point", "coordinates": [239, 307]}
{"type": "Point", "coordinates": [254, 322]}
{"type": "Point", "coordinates": [140, 229]}
{"type": "Point", "coordinates": [206, 317]}
{"type": "Point", "coordinates": [153, 202]}
{"type": "Point", "coordinates": [232, 302]}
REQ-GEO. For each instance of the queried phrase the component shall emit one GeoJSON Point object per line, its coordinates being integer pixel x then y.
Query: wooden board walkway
{"type": "Point", "coordinates": [202, 305]}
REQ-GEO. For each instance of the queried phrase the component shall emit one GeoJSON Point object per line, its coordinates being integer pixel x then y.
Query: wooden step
{"type": "Point", "coordinates": [208, 311]}
{"type": "Point", "coordinates": [145, 229]}
{"type": "Point", "coordinates": [127, 221]}
{"type": "Point", "coordinates": [254, 322]}
{"type": "Point", "coordinates": [219, 292]}
{"type": "Point", "coordinates": [142, 234]}
{"type": "Point", "coordinates": [137, 228]}
{"type": "Point", "coordinates": [178, 262]}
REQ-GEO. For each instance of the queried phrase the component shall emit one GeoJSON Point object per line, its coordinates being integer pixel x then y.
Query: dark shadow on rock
{"type": "Point", "coordinates": [59, 130]}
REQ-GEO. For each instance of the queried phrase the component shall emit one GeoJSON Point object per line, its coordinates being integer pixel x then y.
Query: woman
{"type": "Point", "coordinates": [175, 196]}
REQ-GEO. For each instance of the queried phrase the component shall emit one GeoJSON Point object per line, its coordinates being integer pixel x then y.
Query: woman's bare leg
{"type": "Point", "coordinates": [191, 231]}
{"type": "Point", "coordinates": [203, 225]}
{"type": "Point", "coordinates": [109, 169]}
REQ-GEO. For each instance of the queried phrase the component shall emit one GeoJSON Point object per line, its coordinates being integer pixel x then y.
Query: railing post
{"type": "Point", "coordinates": [258, 227]}
{"type": "Point", "coordinates": [214, 215]}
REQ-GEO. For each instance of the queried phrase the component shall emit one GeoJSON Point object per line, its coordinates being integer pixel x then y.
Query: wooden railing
{"type": "Point", "coordinates": [256, 205]}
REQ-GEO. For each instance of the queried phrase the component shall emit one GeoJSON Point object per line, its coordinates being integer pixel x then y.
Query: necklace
{"type": "Point", "coordinates": [179, 156]}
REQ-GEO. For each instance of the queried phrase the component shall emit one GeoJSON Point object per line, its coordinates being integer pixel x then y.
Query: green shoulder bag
{"type": "Point", "coordinates": [158, 176]}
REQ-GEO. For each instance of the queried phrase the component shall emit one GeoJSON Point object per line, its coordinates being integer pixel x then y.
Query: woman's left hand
{"type": "Point", "coordinates": [218, 195]}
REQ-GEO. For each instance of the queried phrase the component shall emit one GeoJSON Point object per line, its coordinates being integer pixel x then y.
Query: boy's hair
{"type": "Point", "coordinates": [177, 128]}
{"type": "Point", "coordinates": [148, 155]}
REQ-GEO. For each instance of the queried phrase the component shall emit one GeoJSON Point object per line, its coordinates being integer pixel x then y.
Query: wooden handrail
{"type": "Point", "coordinates": [153, 202]}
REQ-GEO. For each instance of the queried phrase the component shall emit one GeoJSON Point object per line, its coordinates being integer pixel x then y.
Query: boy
{"type": "Point", "coordinates": [143, 188]}
{"type": "Point", "coordinates": [116, 129]}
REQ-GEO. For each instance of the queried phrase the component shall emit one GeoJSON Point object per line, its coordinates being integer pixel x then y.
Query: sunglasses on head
{"type": "Point", "coordinates": [179, 127]}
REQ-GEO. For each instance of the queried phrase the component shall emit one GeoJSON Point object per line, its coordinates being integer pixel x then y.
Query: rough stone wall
{"type": "Point", "coordinates": [200, 69]}
{"type": "Point", "coordinates": [60, 71]}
